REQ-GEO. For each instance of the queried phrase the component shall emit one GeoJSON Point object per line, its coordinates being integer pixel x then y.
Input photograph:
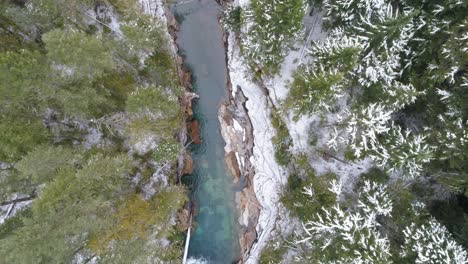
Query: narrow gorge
{"type": "Point", "coordinates": [213, 185]}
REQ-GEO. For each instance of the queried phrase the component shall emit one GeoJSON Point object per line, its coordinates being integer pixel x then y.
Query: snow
{"type": "Point", "coordinates": [96, 17]}
{"type": "Point", "coordinates": [269, 176]}
{"type": "Point", "coordinates": [114, 24]}
{"type": "Point", "coordinates": [93, 138]}
{"type": "Point", "coordinates": [240, 161]}
{"type": "Point", "coordinates": [237, 126]}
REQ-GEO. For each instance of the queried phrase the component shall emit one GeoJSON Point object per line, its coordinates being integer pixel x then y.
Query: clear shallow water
{"type": "Point", "coordinates": [215, 237]}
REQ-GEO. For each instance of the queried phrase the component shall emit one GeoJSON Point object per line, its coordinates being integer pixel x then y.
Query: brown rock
{"type": "Point", "coordinates": [187, 102]}
{"type": "Point", "coordinates": [187, 78]}
{"type": "Point", "coordinates": [184, 218]}
{"type": "Point", "coordinates": [188, 164]}
{"type": "Point", "coordinates": [250, 211]}
{"type": "Point", "coordinates": [194, 131]}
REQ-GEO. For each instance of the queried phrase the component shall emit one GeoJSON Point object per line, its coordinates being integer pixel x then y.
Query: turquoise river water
{"type": "Point", "coordinates": [215, 237]}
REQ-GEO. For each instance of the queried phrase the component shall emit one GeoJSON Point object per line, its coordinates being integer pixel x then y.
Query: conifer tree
{"type": "Point", "coordinates": [274, 26]}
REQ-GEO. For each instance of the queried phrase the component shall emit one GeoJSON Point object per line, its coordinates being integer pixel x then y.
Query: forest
{"type": "Point", "coordinates": [366, 103]}
{"type": "Point", "coordinates": [89, 112]}
{"type": "Point", "coordinates": [385, 88]}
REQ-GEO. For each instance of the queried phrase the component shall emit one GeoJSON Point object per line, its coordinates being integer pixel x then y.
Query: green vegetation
{"type": "Point", "coordinates": [299, 203]}
{"type": "Point", "coordinates": [78, 99]}
{"type": "Point", "coordinates": [273, 253]}
{"type": "Point", "coordinates": [281, 141]}
{"type": "Point", "coordinates": [233, 18]}
{"type": "Point", "coordinates": [275, 26]}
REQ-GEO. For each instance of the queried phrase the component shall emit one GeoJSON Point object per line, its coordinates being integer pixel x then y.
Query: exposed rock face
{"type": "Point", "coordinates": [186, 100]}
{"type": "Point", "coordinates": [188, 164]}
{"type": "Point", "coordinates": [232, 164]}
{"type": "Point", "coordinates": [183, 216]}
{"type": "Point", "coordinates": [236, 130]}
{"type": "Point", "coordinates": [194, 131]}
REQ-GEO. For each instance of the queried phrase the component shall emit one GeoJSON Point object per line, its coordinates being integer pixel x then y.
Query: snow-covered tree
{"type": "Point", "coordinates": [403, 151]}
{"type": "Point", "coordinates": [341, 235]}
{"type": "Point", "coordinates": [364, 125]}
{"type": "Point", "coordinates": [347, 12]}
{"type": "Point", "coordinates": [317, 86]}
{"type": "Point", "coordinates": [272, 28]}
{"type": "Point", "coordinates": [353, 233]}
{"type": "Point", "coordinates": [431, 242]}
{"type": "Point", "coordinates": [407, 62]}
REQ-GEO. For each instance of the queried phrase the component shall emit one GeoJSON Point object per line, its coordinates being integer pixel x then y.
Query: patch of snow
{"type": "Point", "coordinates": [237, 126]}
{"type": "Point", "coordinates": [143, 145]}
{"type": "Point", "coordinates": [104, 13]}
{"type": "Point", "coordinates": [64, 70]}
{"type": "Point", "coordinates": [114, 24]}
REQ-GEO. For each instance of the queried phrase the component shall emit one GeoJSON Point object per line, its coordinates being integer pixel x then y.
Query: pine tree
{"type": "Point", "coordinates": [409, 63]}
{"type": "Point", "coordinates": [90, 57]}
{"type": "Point", "coordinates": [431, 242]}
{"type": "Point", "coordinates": [403, 151]}
{"type": "Point", "coordinates": [353, 235]}
{"type": "Point", "coordinates": [349, 236]}
{"type": "Point", "coordinates": [274, 26]}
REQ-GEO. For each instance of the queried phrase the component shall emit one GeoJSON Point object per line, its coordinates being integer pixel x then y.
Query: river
{"type": "Point", "coordinates": [215, 237]}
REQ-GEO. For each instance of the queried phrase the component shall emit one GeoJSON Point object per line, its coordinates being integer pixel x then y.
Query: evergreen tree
{"type": "Point", "coordinates": [350, 236]}
{"type": "Point", "coordinates": [275, 26]}
{"type": "Point", "coordinates": [75, 54]}
{"type": "Point", "coordinates": [406, 65]}
{"type": "Point", "coordinates": [354, 234]}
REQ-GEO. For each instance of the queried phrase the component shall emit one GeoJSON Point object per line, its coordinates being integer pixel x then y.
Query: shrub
{"type": "Point", "coordinates": [233, 18]}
